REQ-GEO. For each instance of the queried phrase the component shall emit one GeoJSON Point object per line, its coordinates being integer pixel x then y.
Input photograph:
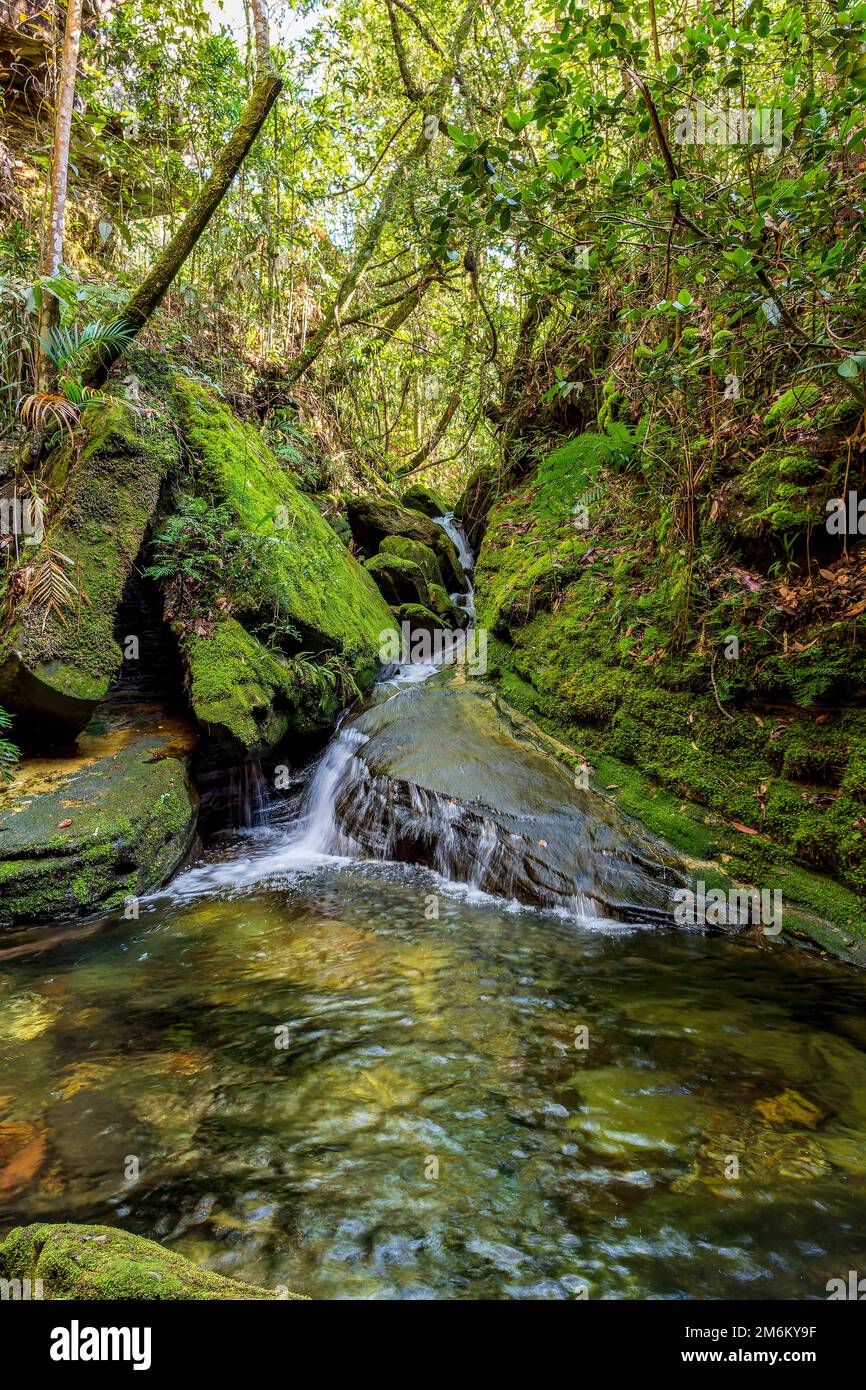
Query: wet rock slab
{"type": "Point", "coordinates": [111, 817]}
{"type": "Point", "coordinates": [443, 777]}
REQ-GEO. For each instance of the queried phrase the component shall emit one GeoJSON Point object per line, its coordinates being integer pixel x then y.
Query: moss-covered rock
{"type": "Point", "coordinates": [416, 551]}
{"type": "Point", "coordinates": [101, 1262]}
{"type": "Point", "coordinates": [308, 586]}
{"type": "Point", "coordinates": [55, 667]}
{"type": "Point", "coordinates": [241, 693]}
{"type": "Point", "coordinates": [113, 818]}
{"type": "Point", "coordinates": [419, 618]}
{"type": "Point", "coordinates": [372, 519]}
{"type": "Point", "coordinates": [401, 581]}
{"type": "Point", "coordinates": [424, 499]}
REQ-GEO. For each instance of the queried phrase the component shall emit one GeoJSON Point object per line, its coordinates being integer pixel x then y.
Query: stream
{"type": "Point", "coordinates": [486, 1073]}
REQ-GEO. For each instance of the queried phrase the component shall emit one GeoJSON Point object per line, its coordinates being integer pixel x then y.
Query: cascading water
{"type": "Point", "coordinates": [427, 771]}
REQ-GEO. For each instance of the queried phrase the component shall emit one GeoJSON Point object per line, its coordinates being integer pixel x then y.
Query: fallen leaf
{"type": "Point", "coordinates": [744, 829]}
{"type": "Point", "coordinates": [63, 824]}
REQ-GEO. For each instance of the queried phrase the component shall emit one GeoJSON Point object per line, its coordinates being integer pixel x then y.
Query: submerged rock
{"type": "Point", "coordinates": [109, 819]}
{"type": "Point", "coordinates": [56, 665]}
{"type": "Point", "coordinates": [100, 1262]}
{"type": "Point", "coordinates": [441, 777]}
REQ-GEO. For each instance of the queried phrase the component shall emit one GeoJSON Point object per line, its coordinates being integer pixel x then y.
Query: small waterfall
{"type": "Point", "coordinates": [452, 529]}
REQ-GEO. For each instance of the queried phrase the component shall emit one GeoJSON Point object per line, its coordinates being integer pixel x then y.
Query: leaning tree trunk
{"type": "Point", "coordinates": [434, 112]}
{"type": "Point", "coordinates": [49, 310]}
{"type": "Point", "coordinates": [152, 289]}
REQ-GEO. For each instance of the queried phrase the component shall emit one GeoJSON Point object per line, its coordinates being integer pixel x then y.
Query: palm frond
{"type": "Point", "coordinates": [45, 407]}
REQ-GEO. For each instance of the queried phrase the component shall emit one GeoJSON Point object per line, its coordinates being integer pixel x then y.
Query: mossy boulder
{"type": "Point", "coordinates": [419, 617]}
{"type": "Point", "coordinates": [111, 819]}
{"type": "Point", "coordinates": [103, 1263]}
{"type": "Point", "coordinates": [372, 519]}
{"type": "Point", "coordinates": [401, 581]}
{"type": "Point", "coordinates": [422, 555]}
{"type": "Point", "coordinates": [322, 599]}
{"type": "Point", "coordinates": [241, 693]}
{"type": "Point", "coordinates": [55, 667]}
{"type": "Point", "coordinates": [424, 499]}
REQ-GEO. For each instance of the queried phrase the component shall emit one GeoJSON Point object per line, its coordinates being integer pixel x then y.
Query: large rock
{"type": "Point", "coordinates": [374, 518]}
{"type": "Point", "coordinates": [55, 666]}
{"type": "Point", "coordinates": [84, 829]}
{"type": "Point", "coordinates": [423, 499]}
{"type": "Point", "coordinates": [443, 777]}
{"type": "Point", "coordinates": [401, 581]}
{"type": "Point", "coordinates": [416, 551]}
{"type": "Point", "coordinates": [101, 1262]}
{"type": "Point", "coordinates": [321, 600]}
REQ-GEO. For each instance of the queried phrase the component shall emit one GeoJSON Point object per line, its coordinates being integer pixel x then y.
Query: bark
{"type": "Point", "coordinates": [49, 313]}
{"type": "Point", "coordinates": [434, 114]}
{"type": "Point", "coordinates": [262, 35]}
{"type": "Point", "coordinates": [152, 289]}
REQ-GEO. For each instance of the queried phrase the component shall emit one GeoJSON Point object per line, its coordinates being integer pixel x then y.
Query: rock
{"type": "Point", "coordinates": [311, 585]}
{"type": "Point", "coordinates": [422, 555]}
{"type": "Point", "coordinates": [401, 581]}
{"type": "Point", "coordinates": [475, 501]}
{"type": "Point", "coordinates": [240, 692]}
{"type": "Point", "coordinates": [443, 778]}
{"type": "Point", "coordinates": [423, 499]}
{"type": "Point", "coordinates": [419, 617]}
{"type": "Point", "coordinates": [101, 1262]}
{"type": "Point", "coordinates": [113, 818]}
{"type": "Point", "coordinates": [372, 519]}
{"type": "Point", "coordinates": [53, 669]}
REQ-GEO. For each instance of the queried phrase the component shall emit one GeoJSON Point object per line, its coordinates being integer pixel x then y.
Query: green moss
{"type": "Point", "coordinates": [400, 580]}
{"type": "Point", "coordinates": [243, 695]}
{"type": "Point", "coordinates": [101, 1262]}
{"type": "Point", "coordinates": [420, 554]}
{"type": "Point", "coordinates": [793, 404]}
{"type": "Point", "coordinates": [590, 642]}
{"type": "Point", "coordinates": [424, 499]}
{"type": "Point", "coordinates": [311, 580]}
{"type": "Point", "coordinates": [116, 822]}
{"type": "Point", "coordinates": [54, 668]}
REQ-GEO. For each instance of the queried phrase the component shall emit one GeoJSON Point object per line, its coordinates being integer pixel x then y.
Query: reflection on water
{"type": "Point", "coordinates": [416, 1045]}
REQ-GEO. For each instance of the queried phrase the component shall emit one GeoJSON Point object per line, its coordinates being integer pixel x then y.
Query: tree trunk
{"type": "Point", "coordinates": [152, 289]}
{"type": "Point", "coordinates": [434, 110]}
{"type": "Point", "coordinates": [49, 311]}
{"type": "Point", "coordinates": [262, 36]}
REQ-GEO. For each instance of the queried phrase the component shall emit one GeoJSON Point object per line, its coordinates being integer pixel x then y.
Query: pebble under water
{"type": "Point", "coordinates": [431, 1127]}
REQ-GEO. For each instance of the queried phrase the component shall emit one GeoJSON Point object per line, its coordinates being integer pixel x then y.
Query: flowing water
{"type": "Point", "coordinates": [356, 1079]}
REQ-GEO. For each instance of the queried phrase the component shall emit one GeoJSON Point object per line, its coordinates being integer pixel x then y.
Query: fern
{"type": "Point", "coordinates": [9, 753]}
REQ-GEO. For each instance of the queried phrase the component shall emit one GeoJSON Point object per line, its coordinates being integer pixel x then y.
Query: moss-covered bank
{"type": "Point", "coordinates": [618, 646]}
